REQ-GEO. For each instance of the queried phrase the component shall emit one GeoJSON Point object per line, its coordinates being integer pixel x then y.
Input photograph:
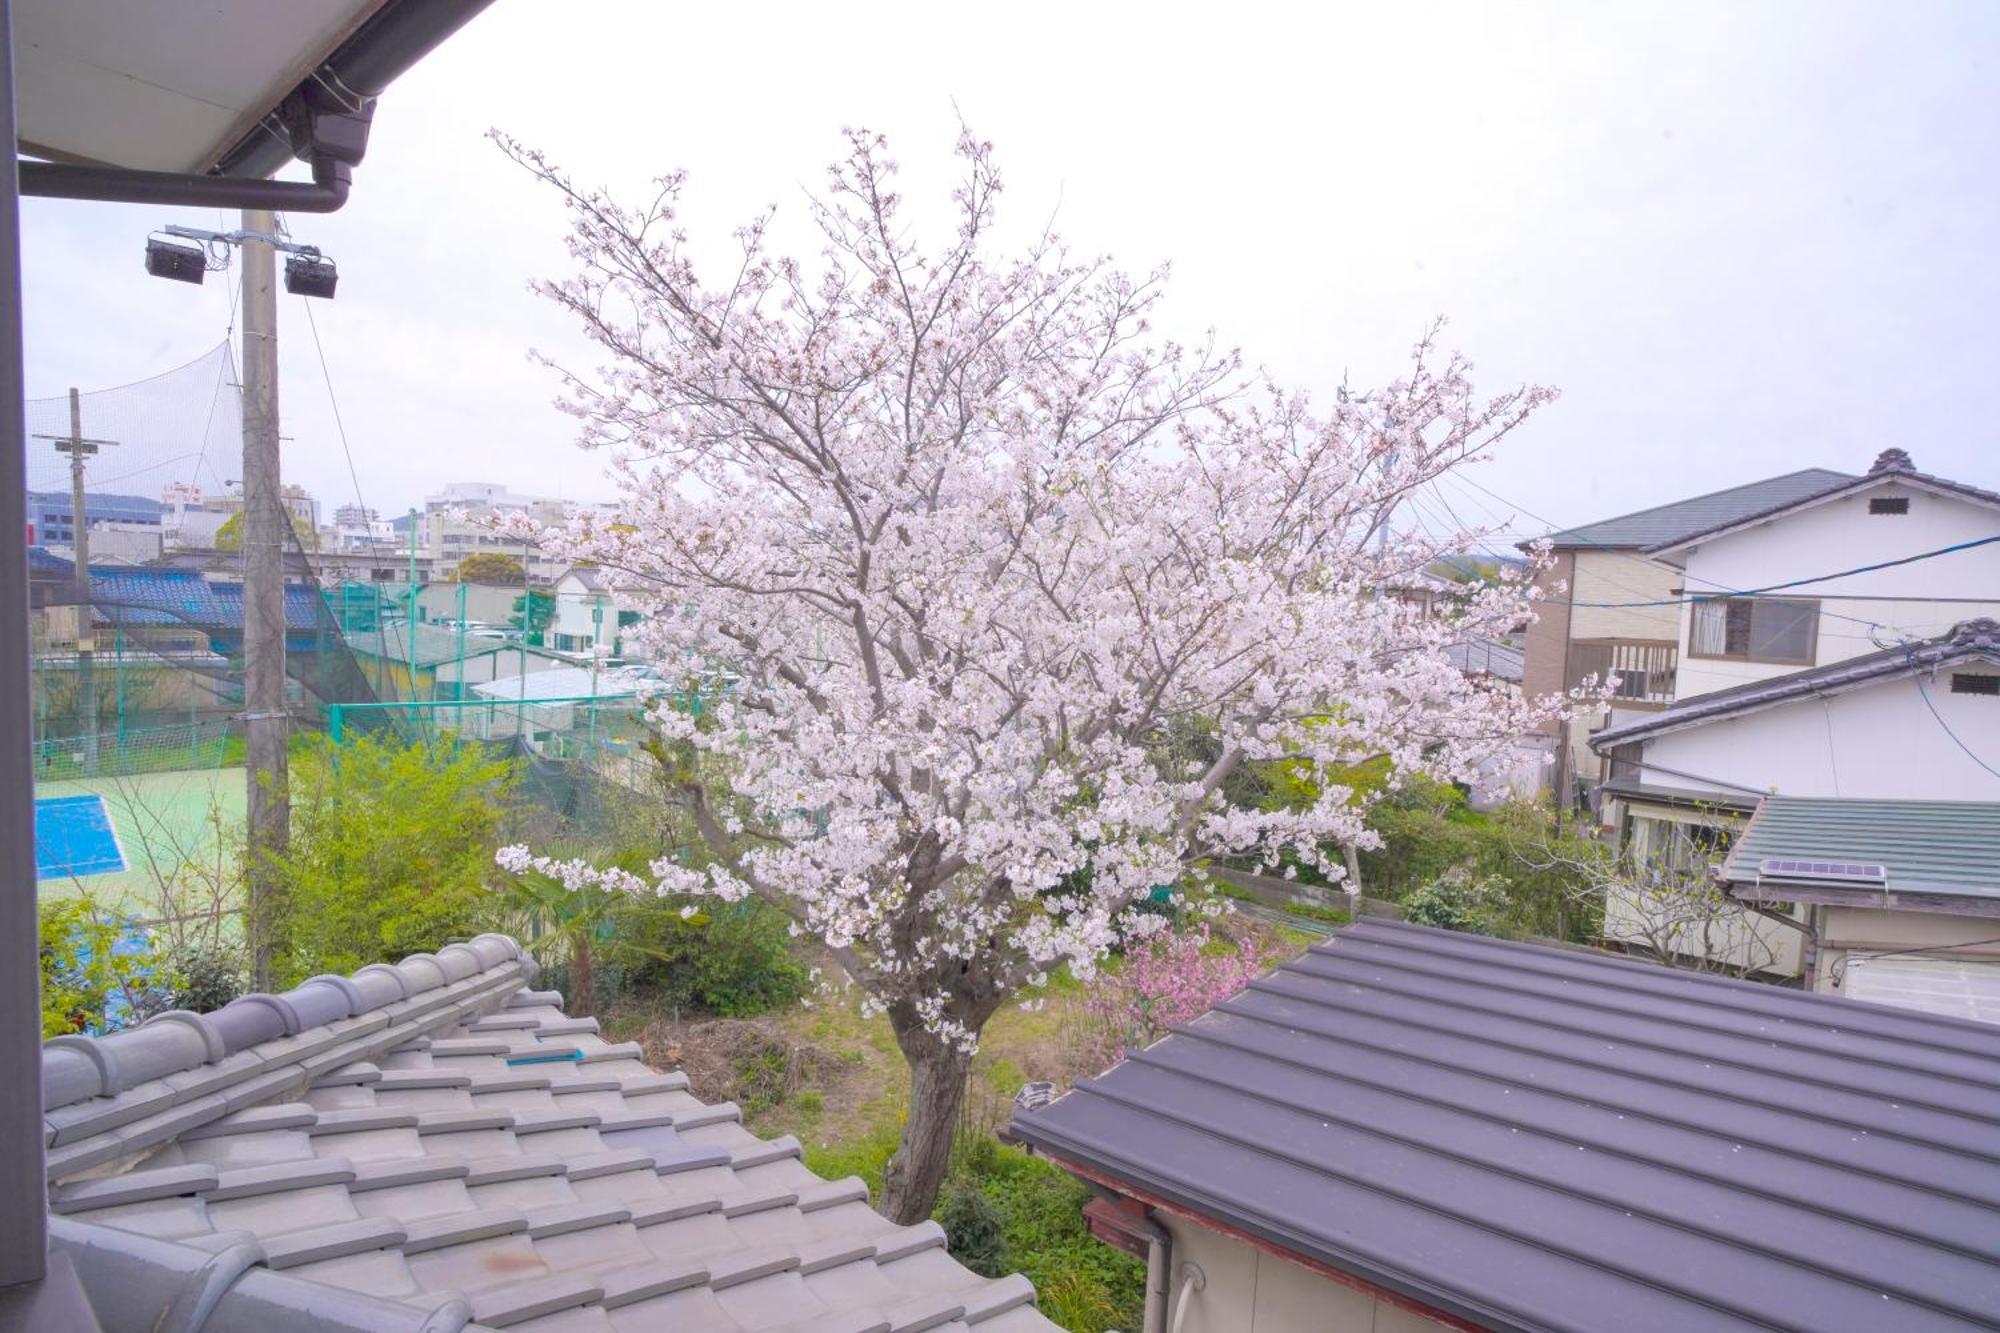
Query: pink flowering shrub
{"type": "Point", "coordinates": [1166, 980]}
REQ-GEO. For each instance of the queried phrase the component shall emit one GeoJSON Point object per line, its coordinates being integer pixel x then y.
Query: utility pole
{"type": "Point", "coordinates": [266, 724]}
{"type": "Point", "coordinates": [78, 448]}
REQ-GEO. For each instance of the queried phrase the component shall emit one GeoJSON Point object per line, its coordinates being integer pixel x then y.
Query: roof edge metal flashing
{"type": "Point", "coordinates": [324, 120]}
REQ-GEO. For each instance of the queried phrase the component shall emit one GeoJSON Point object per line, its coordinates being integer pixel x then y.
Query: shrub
{"type": "Point", "coordinates": [99, 970]}
{"type": "Point", "coordinates": [391, 851]}
{"type": "Point", "coordinates": [974, 1230]}
{"type": "Point", "coordinates": [1456, 901]}
{"type": "Point", "coordinates": [732, 960]}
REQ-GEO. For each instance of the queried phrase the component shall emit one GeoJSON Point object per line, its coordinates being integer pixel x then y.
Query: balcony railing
{"type": "Point", "coordinates": [1645, 667]}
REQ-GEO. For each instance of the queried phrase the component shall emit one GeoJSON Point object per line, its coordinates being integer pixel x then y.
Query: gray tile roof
{"type": "Point", "coordinates": [1950, 847]}
{"type": "Point", "coordinates": [431, 1147]}
{"type": "Point", "coordinates": [1893, 465]}
{"type": "Point", "coordinates": [1531, 1138]}
{"type": "Point", "coordinates": [1669, 523]}
{"type": "Point", "coordinates": [1487, 657]}
{"type": "Point", "coordinates": [1971, 640]}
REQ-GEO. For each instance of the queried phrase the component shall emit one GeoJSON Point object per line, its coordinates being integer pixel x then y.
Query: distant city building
{"type": "Point", "coordinates": [458, 521]}
{"type": "Point", "coordinates": [51, 517]}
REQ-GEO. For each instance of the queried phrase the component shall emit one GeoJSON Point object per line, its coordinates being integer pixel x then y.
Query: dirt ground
{"type": "Point", "coordinates": [832, 1077]}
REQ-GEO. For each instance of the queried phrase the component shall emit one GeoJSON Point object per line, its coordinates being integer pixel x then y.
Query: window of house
{"type": "Point", "coordinates": [1755, 629]}
{"type": "Point", "coordinates": [1889, 504]}
{"type": "Point", "coordinates": [1673, 850]}
{"type": "Point", "coordinates": [1970, 682]}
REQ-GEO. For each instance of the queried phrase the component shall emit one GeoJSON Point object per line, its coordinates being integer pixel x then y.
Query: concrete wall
{"type": "Point", "coordinates": [1251, 1291]}
{"type": "Point", "coordinates": [1878, 741]}
{"type": "Point", "coordinates": [1920, 600]}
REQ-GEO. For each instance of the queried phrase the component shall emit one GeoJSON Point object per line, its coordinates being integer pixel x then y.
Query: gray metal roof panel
{"type": "Point", "coordinates": [1532, 1138]}
{"type": "Point", "coordinates": [1928, 846]}
{"type": "Point", "coordinates": [1664, 524]}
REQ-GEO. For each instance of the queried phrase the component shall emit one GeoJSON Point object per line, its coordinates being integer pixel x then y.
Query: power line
{"type": "Point", "coordinates": [1720, 588]}
{"type": "Point", "coordinates": [1799, 583]}
{"type": "Point", "coordinates": [1918, 675]}
{"type": "Point", "coordinates": [340, 426]}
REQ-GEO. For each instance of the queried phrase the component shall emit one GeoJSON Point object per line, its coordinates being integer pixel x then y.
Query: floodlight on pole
{"type": "Point", "coordinates": [310, 275]}
{"type": "Point", "coordinates": [182, 263]}
{"type": "Point", "coordinates": [308, 272]}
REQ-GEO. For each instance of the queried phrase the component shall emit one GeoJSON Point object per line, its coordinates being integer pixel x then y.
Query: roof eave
{"type": "Point", "coordinates": [1872, 480]}
{"type": "Point", "coordinates": [1397, 1289]}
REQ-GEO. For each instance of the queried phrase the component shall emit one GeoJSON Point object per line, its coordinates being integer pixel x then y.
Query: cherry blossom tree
{"type": "Point", "coordinates": [1004, 585]}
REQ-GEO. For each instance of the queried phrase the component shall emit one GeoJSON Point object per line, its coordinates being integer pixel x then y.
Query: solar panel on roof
{"type": "Point", "coordinates": [1789, 867]}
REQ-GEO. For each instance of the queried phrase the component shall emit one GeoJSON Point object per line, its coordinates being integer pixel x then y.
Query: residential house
{"type": "Point", "coordinates": [1917, 723]}
{"type": "Point", "coordinates": [1886, 526]}
{"type": "Point", "coordinates": [1610, 607]}
{"type": "Point", "coordinates": [1407, 1129]}
{"type": "Point", "coordinates": [1901, 898]}
{"type": "Point", "coordinates": [587, 617]}
{"type": "Point", "coordinates": [433, 1146]}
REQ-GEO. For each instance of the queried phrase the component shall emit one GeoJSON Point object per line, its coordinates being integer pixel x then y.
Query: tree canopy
{"type": "Point", "coordinates": [1007, 587]}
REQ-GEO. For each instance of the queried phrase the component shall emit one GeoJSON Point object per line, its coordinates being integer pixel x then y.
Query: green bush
{"type": "Point", "coordinates": [99, 971]}
{"type": "Point", "coordinates": [733, 960]}
{"type": "Point", "coordinates": [391, 852]}
{"type": "Point", "coordinates": [1456, 901]}
{"type": "Point", "coordinates": [974, 1230]}
{"type": "Point", "coordinates": [1080, 1282]}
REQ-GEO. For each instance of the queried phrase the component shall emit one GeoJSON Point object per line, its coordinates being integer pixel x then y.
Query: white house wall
{"type": "Point", "coordinates": [1879, 741]}
{"type": "Point", "coordinates": [1920, 600]}
{"type": "Point", "coordinates": [1247, 1290]}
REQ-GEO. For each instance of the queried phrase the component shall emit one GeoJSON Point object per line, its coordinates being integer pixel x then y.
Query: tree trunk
{"type": "Point", "coordinates": [582, 980]}
{"type": "Point", "coordinates": [938, 1071]}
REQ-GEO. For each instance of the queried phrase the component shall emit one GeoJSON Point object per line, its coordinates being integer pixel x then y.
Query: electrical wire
{"type": "Point", "coordinates": [340, 426]}
{"type": "Point", "coordinates": [1799, 583]}
{"type": "Point", "coordinates": [1719, 588]}
{"type": "Point", "coordinates": [1924, 690]}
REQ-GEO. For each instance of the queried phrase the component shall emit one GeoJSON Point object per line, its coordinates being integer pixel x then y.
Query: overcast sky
{"type": "Point", "coordinates": [1742, 238]}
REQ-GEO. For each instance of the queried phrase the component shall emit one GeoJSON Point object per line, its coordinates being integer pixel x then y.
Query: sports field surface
{"type": "Point", "coordinates": [136, 832]}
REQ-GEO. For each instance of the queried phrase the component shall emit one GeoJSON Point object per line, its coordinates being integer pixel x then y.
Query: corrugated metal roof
{"type": "Point", "coordinates": [1969, 640]}
{"type": "Point", "coordinates": [1928, 846]}
{"type": "Point", "coordinates": [1530, 1138]}
{"type": "Point", "coordinates": [1683, 518]}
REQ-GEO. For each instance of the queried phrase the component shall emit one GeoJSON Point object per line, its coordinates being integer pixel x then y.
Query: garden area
{"type": "Point", "coordinates": [392, 852]}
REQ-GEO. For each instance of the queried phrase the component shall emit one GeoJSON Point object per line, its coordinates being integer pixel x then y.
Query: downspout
{"type": "Point", "coordinates": [23, 1187]}
{"type": "Point", "coordinates": [1159, 1272]}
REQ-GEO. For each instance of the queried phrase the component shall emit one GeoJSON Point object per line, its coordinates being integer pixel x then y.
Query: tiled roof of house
{"type": "Point", "coordinates": [1891, 466]}
{"type": "Point", "coordinates": [1674, 522]}
{"type": "Point", "coordinates": [430, 1147]}
{"type": "Point", "coordinates": [1531, 1138]}
{"type": "Point", "coordinates": [1487, 657]}
{"type": "Point", "coordinates": [1971, 640]}
{"type": "Point", "coordinates": [1939, 847]}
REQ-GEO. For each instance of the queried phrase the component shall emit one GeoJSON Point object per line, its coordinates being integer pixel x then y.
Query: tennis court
{"type": "Point", "coordinates": [117, 838]}
{"type": "Point", "coordinates": [74, 837]}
